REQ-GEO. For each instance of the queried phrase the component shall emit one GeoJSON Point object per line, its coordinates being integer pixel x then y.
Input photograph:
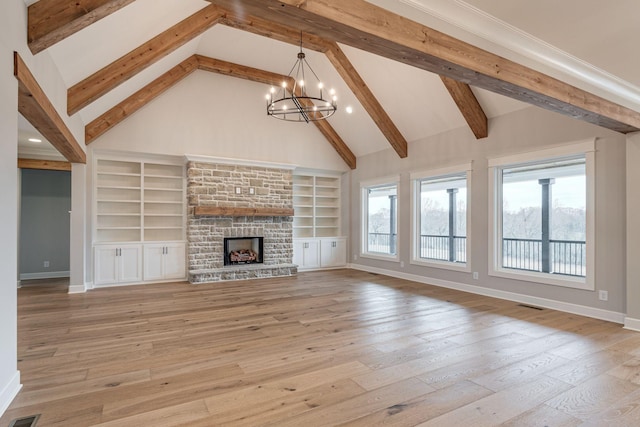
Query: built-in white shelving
{"type": "Point", "coordinates": [316, 203]}
{"type": "Point", "coordinates": [141, 204]}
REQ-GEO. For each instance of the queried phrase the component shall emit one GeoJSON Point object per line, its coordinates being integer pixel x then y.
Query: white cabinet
{"type": "Point", "coordinates": [333, 252]}
{"type": "Point", "coordinates": [306, 253]}
{"type": "Point", "coordinates": [164, 261]}
{"type": "Point", "coordinates": [115, 264]}
{"type": "Point", "coordinates": [140, 220]}
{"type": "Point", "coordinates": [320, 253]}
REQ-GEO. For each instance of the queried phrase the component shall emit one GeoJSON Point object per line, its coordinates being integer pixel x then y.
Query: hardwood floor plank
{"type": "Point", "coordinates": [592, 397]}
{"type": "Point", "coordinates": [501, 406]}
{"type": "Point", "coordinates": [339, 347]}
{"type": "Point", "coordinates": [421, 409]}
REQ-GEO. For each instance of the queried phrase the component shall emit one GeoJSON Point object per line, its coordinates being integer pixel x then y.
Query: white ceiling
{"type": "Point", "coordinates": [589, 43]}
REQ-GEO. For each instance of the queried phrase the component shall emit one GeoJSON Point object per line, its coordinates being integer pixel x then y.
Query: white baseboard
{"type": "Point", "coordinates": [78, 289]}
{"type": "Point", "coordinates": [44, 275]}
{"type": "Point", "coordinates": [582, 310]}
{"type": "Point", "coordinates": [9, 392]}
{"type": "Point", "coordinates": [632, 324]}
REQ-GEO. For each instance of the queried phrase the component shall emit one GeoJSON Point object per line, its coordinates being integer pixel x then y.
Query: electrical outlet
{"type": "Point", "coordinates": [355, 257]}
{"type": "Point", "coordinates": [252, 190]}
{"type": "Point", "coordinates": [603, 295]}
{"type": "Point", "coordinates": [475, 275]}
{"type": "Point", "coordinates": [238, 190]}
{"type": "Point", "coordinates": [46, 264]}
{"type": "Point", "coordinates": [401, 264]}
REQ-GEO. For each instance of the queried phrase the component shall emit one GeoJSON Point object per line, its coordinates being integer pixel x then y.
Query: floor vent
{"type": "Point", "coordinates": [25, 421]}
{"type": "Point", "coordinates": [530, 306]}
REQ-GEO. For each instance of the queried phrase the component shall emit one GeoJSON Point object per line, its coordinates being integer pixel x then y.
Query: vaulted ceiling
{"type": "Point", "coordinates": [112, 68]}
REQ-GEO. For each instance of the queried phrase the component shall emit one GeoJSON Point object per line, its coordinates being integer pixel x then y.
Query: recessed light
{"type": "Point", "coordinates": [34, 140]}
{"type": "Point", "coordinates": [349, 109]}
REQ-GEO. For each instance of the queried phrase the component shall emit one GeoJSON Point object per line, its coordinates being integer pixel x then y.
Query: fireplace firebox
{"type": "Point", "coordinates": [243, 250]}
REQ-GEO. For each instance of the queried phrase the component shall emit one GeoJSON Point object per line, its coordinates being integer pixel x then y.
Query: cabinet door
{"type": "Point", "coordinates": [311, 254]}
{"type": "Point", "coordinates": [333, 252]}
{"type": "Point", "coordinates": [105, 264]}
{"type": "Point", "coordinates": [130, 263]}
{"type": "Point", "coordinates": [298, 252]}
{"type": "Point", "coordinates": [153, 257]}
{"type": "Point", "coordinates": [175, 261]}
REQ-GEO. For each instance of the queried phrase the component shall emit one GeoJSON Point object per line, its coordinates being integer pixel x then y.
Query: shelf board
{"type": "Point", "coordinates": [164, 215]}
{"type": "Point", "coordinates": [162, 176]}
{"type": "Point", "coordinates": [118, 228]}
{"type": "Point", "coordinates": [162, 228]}
{"type": "Point", "coordinates": [136, 214]}
{"type": "Point", "coordinates": [163, 189]}
{"type": "Point", "coordinates": [118, 173]}
{"type": "Point", "coordinates": [160, 202]}
{"type": "Point", "coordinates": [118, 201]}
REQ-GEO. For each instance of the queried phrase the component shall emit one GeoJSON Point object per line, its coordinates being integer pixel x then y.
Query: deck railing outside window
{"type": "Point", "coordinates": [567, 257]}
{"type": "Point", "coordinates": [438, 247]}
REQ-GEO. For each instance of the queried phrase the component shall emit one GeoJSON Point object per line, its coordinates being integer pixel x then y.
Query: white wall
{"type": "Point", "coordinates": [215, 115]}
{"type": "Point", "coordinates": [516, 132]}
{"type": "Point", "coordinates": [13, 36]}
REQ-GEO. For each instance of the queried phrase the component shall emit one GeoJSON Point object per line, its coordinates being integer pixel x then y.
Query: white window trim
{"type": "Point", "coordinates": [364, 217]}
{"type": "Point", "coordinates": [586, 148]}
{"type": "Point", "coordinates": [415, 194]}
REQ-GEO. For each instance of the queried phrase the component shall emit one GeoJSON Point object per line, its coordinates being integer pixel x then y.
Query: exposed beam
{"type": "Point", "coordinates": [88, 90]}
{"type": "Point", "coordinates": [468, 105]}
{"type": "Point", "coordinates": [139, 99]}
{"type": "Point", "coordinates": [367, 99]}
{"type": "Point", "coordinates": [36, 108]}
{"type": "Point", "coordinates": [266, 77]}
{"type": "Point", "coordinates": [273, 30]}
{"type": "Point", "coordinates": [50, 21]}
{"type": "Point", "coordinates": [136, 101]}
{"type": "Point", "coordinates": [49, 165]}
{"type": "Point", "coordinates": [365, 26]}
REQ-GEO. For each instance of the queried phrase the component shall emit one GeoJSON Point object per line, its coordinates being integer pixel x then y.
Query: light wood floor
{"type": "Point", "coordinates": [325, 348]}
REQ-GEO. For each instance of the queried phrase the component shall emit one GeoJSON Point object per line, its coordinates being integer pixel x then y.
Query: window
{"type": "Point", "coordinates": [440, 216]}
{"type": "Point", "coordinates": [543, 214]}
{"type": "Point", "coordinates": [380, 220]}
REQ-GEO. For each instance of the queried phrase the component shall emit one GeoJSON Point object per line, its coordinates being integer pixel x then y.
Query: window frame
{"type": "Point", "coordinates": [584, 148]}
{"type": "Point", "coordinates": [416, 177]}
{"type": "Point", "coordinates": [364, 217]}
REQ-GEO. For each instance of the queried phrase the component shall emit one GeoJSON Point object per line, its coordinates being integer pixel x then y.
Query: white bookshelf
{"type": "Point", "coordinates": [316, 203]}
{"type": "Point", "coordinates": [118, 201]}
{"type": "Point", "coordinates": [139, 206]}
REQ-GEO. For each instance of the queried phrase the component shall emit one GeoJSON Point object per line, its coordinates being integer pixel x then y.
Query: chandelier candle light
{"type": "Point", "coordinates": [291, 102]}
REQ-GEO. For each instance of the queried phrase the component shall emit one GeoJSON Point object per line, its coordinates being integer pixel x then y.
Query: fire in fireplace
{"type": "Point", "coordinates": [243, 250]}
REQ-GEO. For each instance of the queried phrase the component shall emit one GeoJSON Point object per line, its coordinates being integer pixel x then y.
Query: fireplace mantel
{"type": "Point", "coordinates": [233, 211]}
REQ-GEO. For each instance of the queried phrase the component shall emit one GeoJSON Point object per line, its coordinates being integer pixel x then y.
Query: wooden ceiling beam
{"type": "Point", "coordinates": [136, 101]}
{"type": "Point", "coordinates": [373, 29]}
{"type": "Point", "coordinates": [469, 106]}
{"type": "Point", "coordinates": [49, 165]}
{"type": "Point", "coordinates": [50, 21]}
{"type": "Point", "coordinates": [35, 107]}
{"type": "Point", "coordinates": [273, 30]}
{"type": "Point", "coordinates": [266, 77]}
{"type": "Point", "coordinates": [88, 90]}
{"type": "Point", "coordinates": [339, 60]}
{"type": "Point", "coordinates": [139, 99]}
{"type": "Point", "coordinates": [367, 99]}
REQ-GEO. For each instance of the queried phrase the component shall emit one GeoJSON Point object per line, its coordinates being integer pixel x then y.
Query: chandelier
{"type": "Point", "coordinates": [292, 102]}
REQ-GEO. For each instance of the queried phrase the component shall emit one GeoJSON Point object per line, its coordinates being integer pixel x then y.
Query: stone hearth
{"type": "Point", "coordinates": [215, 185]}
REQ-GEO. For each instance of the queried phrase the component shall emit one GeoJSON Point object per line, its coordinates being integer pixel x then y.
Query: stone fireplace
{"type": "Point", "coordinates": [243, 250]}
{"type": "Point", "coordinates": [250, 206]}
